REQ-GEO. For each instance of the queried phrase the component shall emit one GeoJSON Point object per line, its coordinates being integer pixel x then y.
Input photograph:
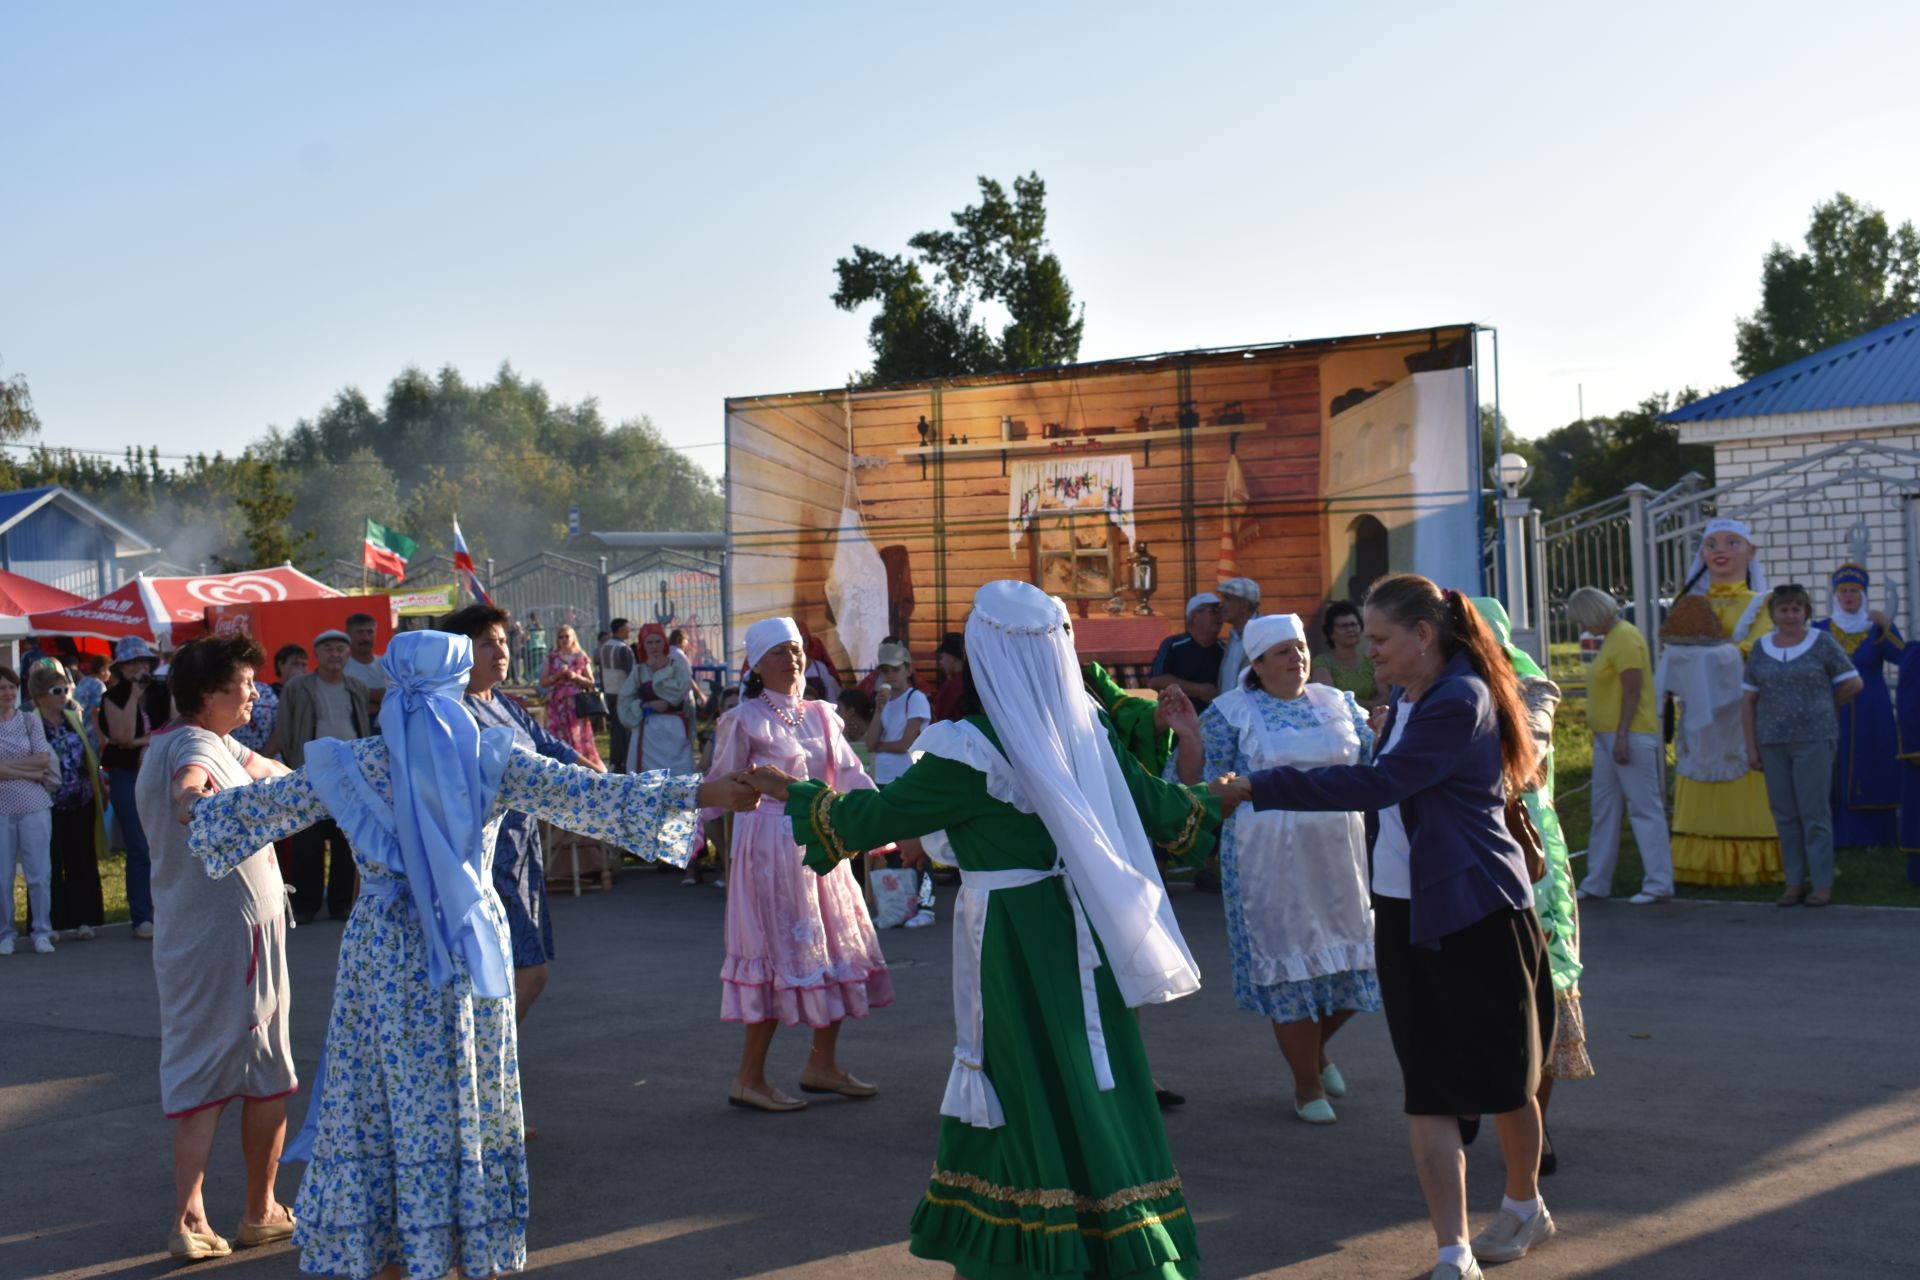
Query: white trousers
{"type": "Point", "coordinates": [26, 841]}
{"type": "Point", "coordinates": [1637, 784]}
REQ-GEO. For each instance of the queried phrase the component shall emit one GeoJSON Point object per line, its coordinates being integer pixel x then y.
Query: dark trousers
{"type": "Point", "coordinates": [617, 736]}
{"type": "Point", "coordinates": [139, 866]}
{"type": "Point", "coordinates": [76, 869]}
{"type": "Point", "coordinates": [311, 876]}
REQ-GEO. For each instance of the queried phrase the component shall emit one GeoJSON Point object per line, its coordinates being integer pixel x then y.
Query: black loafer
{"type": "Point", "coordinates": [1168, 1099]}
{"type": "Point", "coordinates": [1469, 1129]}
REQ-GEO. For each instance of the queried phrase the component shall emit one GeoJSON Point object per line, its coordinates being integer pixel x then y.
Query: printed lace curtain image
{"type": "Point", "coordinates": [1075, 513]}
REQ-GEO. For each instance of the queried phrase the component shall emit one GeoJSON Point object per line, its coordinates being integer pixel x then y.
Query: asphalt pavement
{"type": "Point", "coordinates": [1756, 1112]}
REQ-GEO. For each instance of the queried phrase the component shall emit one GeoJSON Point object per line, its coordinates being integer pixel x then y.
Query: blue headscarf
{"type": "Point", "coordinates": [445, 776]}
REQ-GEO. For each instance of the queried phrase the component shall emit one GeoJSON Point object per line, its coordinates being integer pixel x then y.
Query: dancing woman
{"type": "Point", "coordinates": [1053, 1160]}
{"type": "Point", "coordinates": [1460, 956]}
{"type": "Point", "coordinates": [800, 948]}
{"type": "Point", "coordinates": [415, 1145]}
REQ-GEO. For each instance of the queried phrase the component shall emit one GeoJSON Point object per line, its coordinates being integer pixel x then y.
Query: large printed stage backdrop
{"type": "Point", "coordinates": [1310, 467]}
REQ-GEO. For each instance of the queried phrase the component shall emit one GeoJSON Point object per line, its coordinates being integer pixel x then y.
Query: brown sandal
{"type": "Point", "coordinates": [1792, 897]}
{"type": "Point", "coordinates": [1819, 898]}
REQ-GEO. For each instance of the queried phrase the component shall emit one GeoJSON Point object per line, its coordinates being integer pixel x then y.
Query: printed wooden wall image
{"type": "Point", "coordinates": [1213, 459]}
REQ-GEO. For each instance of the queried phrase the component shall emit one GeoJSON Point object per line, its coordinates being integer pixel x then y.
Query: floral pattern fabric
{"type": "Point", "coordinates": [1307, 992]}
{"type": "Point", "coordinates": [420, 1156]}
{"type": "Point", "coordinates": [562, 723]}
{"type": "Point", "coordinates": [76, 788]}
{"type": "Point", "coordinates": [255, 732]}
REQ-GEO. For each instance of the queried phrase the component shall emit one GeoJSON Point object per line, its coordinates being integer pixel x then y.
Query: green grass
{"type": "Point", "coordinates": [1868, 877]}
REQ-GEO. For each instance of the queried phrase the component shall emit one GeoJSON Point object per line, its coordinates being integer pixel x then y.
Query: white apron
{"type": "Point", "coordinates": [1302, 876]}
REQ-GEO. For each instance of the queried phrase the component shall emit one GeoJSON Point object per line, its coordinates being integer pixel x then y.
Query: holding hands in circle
{"type": "Point", "coordinates": [1175, 711]}
{"type": "Point", "coordinates": [768, 781]}
{"type": "Point", "coordinates": [732, 791]}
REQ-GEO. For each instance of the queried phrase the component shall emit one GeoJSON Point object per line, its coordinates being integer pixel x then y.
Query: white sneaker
{"type": "Point", "coordinates": [143, 930]}
{"type": "Point", "coordinates": [1584, 896]}
{"type": "Point", "coordinates": [1508, 1237]}
{"type": "Point", "coordinates": [43, 944]}
{"type": "Point", "coordinates": [84, 933]}
{"type": "Point", "coordinates": [1447, 1271]}
{"type": "Point", "coordinates": [719, 882]}
{"type": "Point", "coordinates": [919, 920]}
{"type": "Point", "coordinates": [6, 946]}
{"type": "Point", "coordinates": [1642, 899]}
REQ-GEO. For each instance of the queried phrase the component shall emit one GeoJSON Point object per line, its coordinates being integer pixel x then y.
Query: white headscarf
{"type": "Point", "coordinates": [1756, 571]}
{"type": "Point", "coordinates": [1265, 631]}
{"type": "Point", "coordinates": [1854, 621]}
{"type": "Point", "coordinates": [1020, 651]}
{"type": "Point", "coordinates": [767, 633]}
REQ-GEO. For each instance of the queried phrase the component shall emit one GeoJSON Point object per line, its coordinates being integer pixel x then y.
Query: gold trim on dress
{"type": "Point", "coordinates": [1053, 1228]}
{"type": "Point", "coordinates": [1057, 1197]}
{"type": "Point", "coordinates": [1190, 833]}
{"type": "Point", "coordinates": [823, 825]}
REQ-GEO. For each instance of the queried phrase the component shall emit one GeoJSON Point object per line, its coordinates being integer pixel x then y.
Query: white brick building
{"type": "Point", "coordinates": [1821, 448]}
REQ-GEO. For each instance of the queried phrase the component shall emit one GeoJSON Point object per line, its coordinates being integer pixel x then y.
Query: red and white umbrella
{"type": "Point", "coordinates": [171, 611]}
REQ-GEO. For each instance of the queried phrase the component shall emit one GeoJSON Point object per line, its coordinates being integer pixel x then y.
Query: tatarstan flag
{"type": "Point", "coordinates": [387, 551]}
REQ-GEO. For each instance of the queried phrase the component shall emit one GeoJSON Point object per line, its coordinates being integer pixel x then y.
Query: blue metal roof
{"type": "Point", "coordinates": [21, 503]}
{"type": "Point", "coordinates": [1881, 367]}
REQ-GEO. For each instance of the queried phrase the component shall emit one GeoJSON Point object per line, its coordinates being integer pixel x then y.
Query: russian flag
{"type": "Point", "coordinates": [463, 561]}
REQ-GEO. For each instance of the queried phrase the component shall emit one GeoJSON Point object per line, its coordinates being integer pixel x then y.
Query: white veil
{"type": "Point", "coordinates": [1020, 651]}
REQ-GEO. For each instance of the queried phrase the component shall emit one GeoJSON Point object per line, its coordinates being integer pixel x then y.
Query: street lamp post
{"type": "Point", "coordinates": [1511, 474]}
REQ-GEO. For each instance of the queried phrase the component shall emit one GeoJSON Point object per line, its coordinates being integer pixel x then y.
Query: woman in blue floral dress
{"type": "Point", "coordinates": [1299, 917]}
{"type": "Point", "coordinates": [415, 1145]}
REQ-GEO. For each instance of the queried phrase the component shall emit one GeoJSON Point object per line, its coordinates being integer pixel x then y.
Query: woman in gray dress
{"type": "Point", "coordinates": [219, 951]}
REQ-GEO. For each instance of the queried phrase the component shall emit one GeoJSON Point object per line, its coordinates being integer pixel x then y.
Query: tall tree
{"type": "Point", "coordinates": [266, 504]}
{"type": "Point", "coordinates": [929, 324]}
{"type": "Point", "coordinates": [1858, 273]}
{"type": "Point", "coordinates": [18, 421]}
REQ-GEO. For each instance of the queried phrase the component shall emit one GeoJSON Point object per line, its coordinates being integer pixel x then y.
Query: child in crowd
{"type": "Point", "coordinates": [900, 712]}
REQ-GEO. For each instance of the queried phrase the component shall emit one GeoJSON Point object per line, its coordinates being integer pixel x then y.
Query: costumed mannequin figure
{"type": "Point", "coordinates": [1723, 829]}
{"type": "Point", "coordinates": [1052, 1160]}
{"type": "Point", "coordinates": [1866, 768]}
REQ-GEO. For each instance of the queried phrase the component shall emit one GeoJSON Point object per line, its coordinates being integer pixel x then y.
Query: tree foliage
{"type": "Point", "coordinates": [1858, 273]}
{"type": "Point", "coordinates": [18, 421]}
{"type": "Point", "coordinates": [931, 320]}
{"type": "Point", "coordinates": [1593, 459]}
{"type": "Point", "coordinates": [266, 507]}
{"type": "Point", "coordinates": [503, 456]}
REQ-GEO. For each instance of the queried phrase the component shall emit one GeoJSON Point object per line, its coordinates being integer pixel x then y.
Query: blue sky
{"type": "Point", "coordinates": [218, 215]}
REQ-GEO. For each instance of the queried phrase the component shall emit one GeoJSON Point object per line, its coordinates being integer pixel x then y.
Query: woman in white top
{"type": "Point", "coordinates": [26, 816]}
{"type": "Point", "coordinates": [900, 713]}
{"type": "Point", "coordinates": [654, 704]}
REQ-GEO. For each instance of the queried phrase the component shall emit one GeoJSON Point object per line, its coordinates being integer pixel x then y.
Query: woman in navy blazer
{"type": "Point", "coordinates": [1461, 960]}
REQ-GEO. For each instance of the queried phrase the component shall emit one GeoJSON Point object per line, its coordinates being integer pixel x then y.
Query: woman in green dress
{"type": "Point", "coordinates": [1052, 1159]}
{"type": "Point", "coordinates": [1341, 664]}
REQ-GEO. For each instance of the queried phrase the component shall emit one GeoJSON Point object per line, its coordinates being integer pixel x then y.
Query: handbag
{"type": "Point", "coordinates": [1527, 836]}
{"type": "Point", "coordinates": [589, 704]}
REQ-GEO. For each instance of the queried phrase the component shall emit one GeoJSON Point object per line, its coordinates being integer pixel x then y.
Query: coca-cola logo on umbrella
{"type": "Point", "coordinates": [232, 589]}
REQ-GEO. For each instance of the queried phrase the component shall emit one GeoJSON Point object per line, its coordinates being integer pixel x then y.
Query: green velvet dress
{"type": "Point", "coordinates": [1078, 1181]}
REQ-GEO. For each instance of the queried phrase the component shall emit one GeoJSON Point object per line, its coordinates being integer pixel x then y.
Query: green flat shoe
{"type": "Point", "coordinates": [1332, 1081]}
{"type": "Point", "coordinates": [1319, 1111]}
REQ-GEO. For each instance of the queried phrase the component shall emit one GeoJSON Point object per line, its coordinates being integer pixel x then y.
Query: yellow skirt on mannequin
{"type": "Point", "coordinates": [1723, 832]}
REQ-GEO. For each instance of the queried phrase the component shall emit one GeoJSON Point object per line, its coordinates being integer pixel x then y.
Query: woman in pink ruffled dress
{"type": "Point", "coordinates": [799, 948]}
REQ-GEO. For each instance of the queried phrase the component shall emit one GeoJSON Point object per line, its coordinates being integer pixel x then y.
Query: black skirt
{"type": "Point", "coordinates": [1471, 1019]}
